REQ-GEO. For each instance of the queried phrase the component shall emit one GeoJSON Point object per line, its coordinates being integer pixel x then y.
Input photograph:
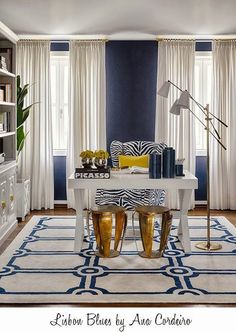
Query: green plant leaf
{"type": "Point", "coordinates": [22, 94]}
{"type": "Point", "coordinates": [20, 136]}
{"type": "Point", "coordinates": [21, 144]}
{"type": "Point", "coordinates": [26, 112]}
{"type": "Point", "coordinates": [22, 113]}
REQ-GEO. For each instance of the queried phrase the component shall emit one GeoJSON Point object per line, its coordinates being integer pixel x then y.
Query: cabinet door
{"type": "Point", "coordinates": [11, 194]}
{"type": "Point", "coordinates": [3, 202]}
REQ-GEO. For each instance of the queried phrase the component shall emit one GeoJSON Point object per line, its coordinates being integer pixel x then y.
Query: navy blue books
{"type": "Point", "coordinates": [155, 166]}
{"type": "Point", "coordinates": [168, 163]}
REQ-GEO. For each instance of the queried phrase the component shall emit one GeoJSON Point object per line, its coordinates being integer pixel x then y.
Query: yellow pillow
{"type": "Point", "coordinates": [129, 161]}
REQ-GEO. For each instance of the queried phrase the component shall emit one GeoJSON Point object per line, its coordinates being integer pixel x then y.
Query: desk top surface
{"type": "Point", "coordinates": [122, 180]}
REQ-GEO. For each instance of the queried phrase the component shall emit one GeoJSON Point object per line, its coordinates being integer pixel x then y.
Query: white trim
{"type": "Point", "coordinates": [59, 153]}
{"type": "Point", "coordinates": [201, 153]}
{"type": "Point", "coordinates": [59, 54]}
{"type": "Point", "coordinates": [203, 54]}
{"type": "Point", "coordinates": [197, 37]}
{"type": "Point", "coordinates": [62, 37]}
{"type": "Point", "coordinates": [126, 36]}
{"type": "Point", "coordinates": [60, 202]}
{"type": "Point", "coordinates": [9, 34]}
{"type": "Point", "coordinates": [200, 202]}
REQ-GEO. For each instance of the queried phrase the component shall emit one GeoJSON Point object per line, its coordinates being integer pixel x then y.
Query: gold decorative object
{"type": "Point", "coordinates": [4, 204]}
{"type": "Point", "coordinates": [11, 197]}
{"type": "Point", "coordinates": [147, 216]}
{"type": "Point", "coordinates": [102, 224]}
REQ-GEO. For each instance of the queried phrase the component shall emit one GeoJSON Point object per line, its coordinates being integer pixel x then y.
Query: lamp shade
{"type": "Point", "coordinates": [175, 109]}
{"type": "Point", "coordinates": [184, 100]}
{"type": "Point", "coordinates": [164, 90]}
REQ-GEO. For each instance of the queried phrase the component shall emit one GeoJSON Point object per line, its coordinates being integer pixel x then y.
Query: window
{"type": "Point", "coordinates": [203, 86]}
{"type": "Point", "coordinates": [59, 100]}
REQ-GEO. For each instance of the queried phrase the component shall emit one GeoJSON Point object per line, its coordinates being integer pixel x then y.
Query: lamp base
{"type": "Point", "coordinates": [207, 246]}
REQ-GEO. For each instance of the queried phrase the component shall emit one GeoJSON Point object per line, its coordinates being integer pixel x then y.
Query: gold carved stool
{"type": "Point", "coordinates": [102, 223]}
{"type": "Point", "coordinates": [146, 224]}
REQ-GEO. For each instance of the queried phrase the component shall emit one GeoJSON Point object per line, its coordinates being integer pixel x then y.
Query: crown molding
{"type": "Point", "coordinates": [8, 33]}
{"type": "Point", "coordinates": [62, 37]}
{"type": "Point", "coordinates": [197, 37]}
{"type": "Point", "coordinates": [125, 36]}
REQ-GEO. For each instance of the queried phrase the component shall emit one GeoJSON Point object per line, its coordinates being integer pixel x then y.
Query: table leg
{"type": "Point", "coordinates": [79, 226]}
{"type": "Point", "coordinates": [183, 229]}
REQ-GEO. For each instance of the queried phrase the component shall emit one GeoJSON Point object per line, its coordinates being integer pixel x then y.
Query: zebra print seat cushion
{"type": "Point", "coordinates": [131, 198]}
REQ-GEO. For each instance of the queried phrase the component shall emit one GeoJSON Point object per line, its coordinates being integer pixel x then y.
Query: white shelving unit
{"type": "Point", "coordinates": [8, 219]}
{"type": "Point", "coordinates": [6, 73]}
{"type": "Point", "coordinates": [4, 103]}
{"type": "Point", "coordinates": [9, 133]}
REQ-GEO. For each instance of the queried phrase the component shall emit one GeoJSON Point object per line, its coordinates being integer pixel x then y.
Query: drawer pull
{"type": "Point", "coordinates": [3, 204]}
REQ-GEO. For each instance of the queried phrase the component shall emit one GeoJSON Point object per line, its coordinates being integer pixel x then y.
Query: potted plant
{"type": "Point", "coordinates": [101, 157]}
{"type": "Point", "coordinates": [87, 158]}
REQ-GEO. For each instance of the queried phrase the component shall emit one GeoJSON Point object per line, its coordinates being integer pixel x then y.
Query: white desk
{"type": "Point", "coordinates": [184, 185]}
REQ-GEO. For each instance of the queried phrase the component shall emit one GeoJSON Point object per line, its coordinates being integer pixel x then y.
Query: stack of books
{"type": "Point", "coordinates": [92, 173]}
{"type": "Point", "coordinates": [3, 64]}
{"type": "Point", "coordinates": [1, 94]}
{"type": "Point", "coordinates": [3, 123]}
{"type": "Point", "coordinates": [5, 92]}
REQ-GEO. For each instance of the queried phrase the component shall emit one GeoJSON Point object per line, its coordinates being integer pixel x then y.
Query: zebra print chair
{"type": "Point", "coordinates": [131, 198]}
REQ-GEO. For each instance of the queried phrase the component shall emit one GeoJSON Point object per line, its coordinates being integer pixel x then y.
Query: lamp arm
{"type": "Point", "coordinates": [202, 108]}
{"type": "Point", "coordinates": [216, 138]}
{"type": "Point", "coordinates": [205, 113]}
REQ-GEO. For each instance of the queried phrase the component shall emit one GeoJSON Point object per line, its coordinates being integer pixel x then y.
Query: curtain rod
{"type": "Point", "coordinates": [197, 40]}
{"type": "Point", "coordinates": [203, 38]}
{"type": "Point", "coordinates": [63, 37]}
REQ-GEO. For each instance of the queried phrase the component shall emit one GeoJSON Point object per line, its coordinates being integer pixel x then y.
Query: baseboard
{"type": "Point", "coordinates": [56, 202]}
{"type": "Point", "coordinates": [200, 202]}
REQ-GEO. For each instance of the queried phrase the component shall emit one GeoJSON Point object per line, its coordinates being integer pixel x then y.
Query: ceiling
{"type": "Point", "coordinates": [122, 19]}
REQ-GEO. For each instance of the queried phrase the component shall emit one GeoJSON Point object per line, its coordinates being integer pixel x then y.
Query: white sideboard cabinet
{"type": "Point", "coordinates": [8, 97]}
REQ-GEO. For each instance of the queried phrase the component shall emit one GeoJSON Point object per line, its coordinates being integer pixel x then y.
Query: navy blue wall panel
{"type": "Point", "coordinates": [59, 177]}
{"type": "Point", "coordinates": [201, 194]}
{"type": "Point", "coordinates": [205, 46]}
{"type": "Point", "coordinates": [131, 68]}
{"type": "Point", "coordinates": [62, 46]}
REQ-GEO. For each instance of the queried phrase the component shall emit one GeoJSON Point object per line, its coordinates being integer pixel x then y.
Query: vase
{"type": "Point", "coordinates": [100, 162]}
{"type": "Point", "coordinates": [87, 162]}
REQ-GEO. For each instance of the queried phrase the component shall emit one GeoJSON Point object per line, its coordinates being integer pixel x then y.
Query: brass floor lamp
{"type": "Point", "coordinates": [184, 103]}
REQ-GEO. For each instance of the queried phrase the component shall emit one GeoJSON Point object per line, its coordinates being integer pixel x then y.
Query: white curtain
{"type": "Point", "coordinates": [223, 163]}
{"type": "Point", "coordinates": [87, 102]}
{"type": "Point", "coordinates": [36, 159]}
{"type": "Point", "coordinates": [176, 63]}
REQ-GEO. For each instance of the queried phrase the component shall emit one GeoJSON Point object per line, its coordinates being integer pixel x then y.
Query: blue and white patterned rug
{"type": "Point", "coordinates": [40, 267]}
